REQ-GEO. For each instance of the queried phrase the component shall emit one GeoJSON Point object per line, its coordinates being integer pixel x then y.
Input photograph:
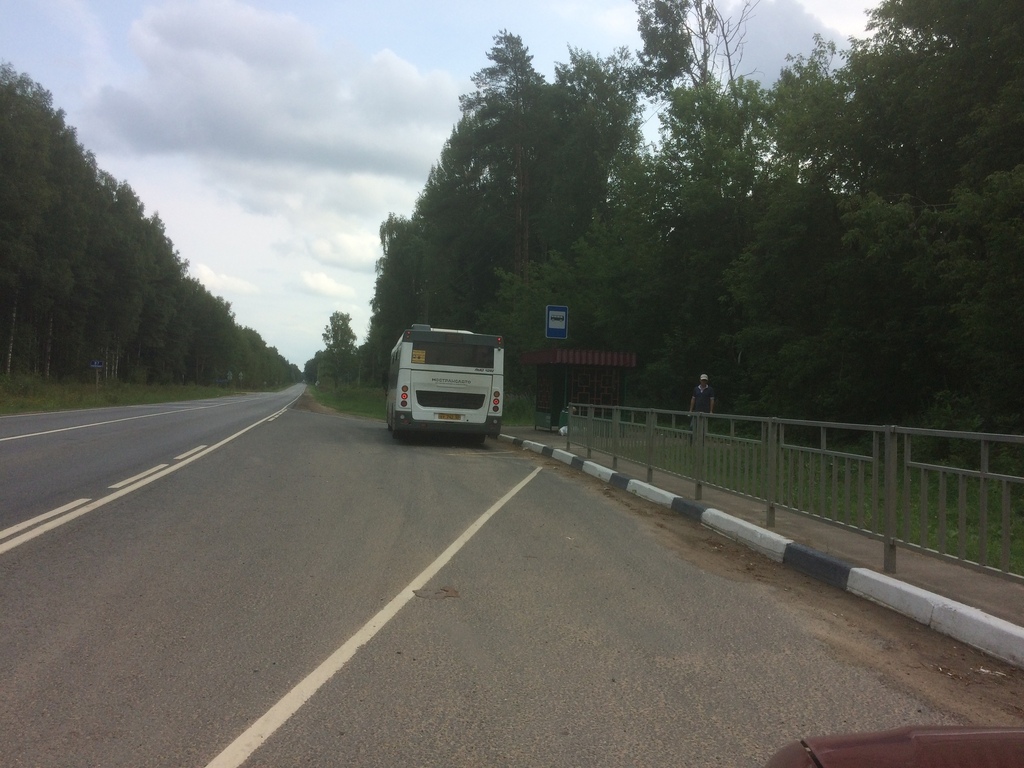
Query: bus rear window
{"type": "Point", "coordinates": [461, 355]}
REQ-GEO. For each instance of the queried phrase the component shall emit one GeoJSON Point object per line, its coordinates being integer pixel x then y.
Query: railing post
{"type": "Point", "coordinates": [983, 506]}
{"type": "Point", "coordinates": [891, 491]}
{"type": "Point", "coordinates": [616, 428]}
{"type": "Point", "coordinates": [770, 452]}
{"type": "Point", "coordinates": [651, 418]}
{"type": "Point", "coordinates": [823, 503]}
{"type": "Point", "coordinates": [590, 431]}
{"type": "Point", "coordinates": [698, 480]}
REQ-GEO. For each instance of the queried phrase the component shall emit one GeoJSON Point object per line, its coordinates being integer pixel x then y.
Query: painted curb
{"type": "Point", "coordinates": [818, 565]}
{"type": "Point", "coordinates": [691, 509]}
{"type": "Point", "coordinates": [563, 456]}
{"type": "Point", "coordinates": [913, 602]}
{"type": "Point", "coordinates": [602, 473]}
{"type": "Point", "coordinates": [769, 544]}
{"type": "Point", "coordinates": [971, 626]}
{"type": "Point", "coordinates": [651, 493]}
{"type": "Point", "coordinates": [981, 630]}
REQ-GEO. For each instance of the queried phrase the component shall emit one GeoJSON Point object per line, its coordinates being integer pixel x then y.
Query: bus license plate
{"type": "Point", "coordinates": [450, 416]}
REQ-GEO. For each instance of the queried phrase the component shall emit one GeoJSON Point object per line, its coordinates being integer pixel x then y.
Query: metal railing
{"type": "Point", "coordinates": [952, 495]}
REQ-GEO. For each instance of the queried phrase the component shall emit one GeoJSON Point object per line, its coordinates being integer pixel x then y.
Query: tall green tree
{"type": "Point", "coordinates": [690, 43]}
{"type": "Point", "coordinates": [594, 133]}
{"type": "Point", "coordinates": [977, 244]}
{"type": "Point", "coordinates": [937, 92]}
{"type": "Point", "coordinates": [340, 341]}
{"type": "Point", "coordinates": [505, 105]}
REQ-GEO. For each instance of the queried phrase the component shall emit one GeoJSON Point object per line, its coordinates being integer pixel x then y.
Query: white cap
{"type": "Point", "coordinates": [703, 377]}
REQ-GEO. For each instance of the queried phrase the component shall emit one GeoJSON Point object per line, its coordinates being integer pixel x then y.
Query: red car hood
{"type": "Point", "coordinates": [912, 747]}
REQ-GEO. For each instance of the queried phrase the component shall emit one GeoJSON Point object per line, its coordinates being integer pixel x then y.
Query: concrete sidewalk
{"type": "Point", "coordinates": [981, 610]}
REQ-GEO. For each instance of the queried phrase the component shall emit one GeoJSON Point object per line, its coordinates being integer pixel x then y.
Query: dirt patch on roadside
{"type": "Point", "coordinates": [307, 402]}
{"type": "Point", "coordinates": [971, 686]}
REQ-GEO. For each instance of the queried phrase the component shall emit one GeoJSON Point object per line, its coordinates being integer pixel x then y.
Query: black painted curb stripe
{"type": "Point", "coordinates": [817, 564]}
{"type": "Point", "coordinates": [577, 462]}
{"type": "Point", "coordinates": [620, 481]}
{"type": "Point", "coordinates": [687, 508]}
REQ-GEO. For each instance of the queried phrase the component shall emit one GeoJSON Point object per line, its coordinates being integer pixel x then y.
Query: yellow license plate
{"type": "Point", "coordinates": [449, 416]}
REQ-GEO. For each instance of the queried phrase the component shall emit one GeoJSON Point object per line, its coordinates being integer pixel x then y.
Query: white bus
{"type": "Point", "coordinates": [442, 380]}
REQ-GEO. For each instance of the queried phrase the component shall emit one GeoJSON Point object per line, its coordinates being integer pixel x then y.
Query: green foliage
{"type": "Point", "coordinates": [85, 274]}
{"type": "Point", "coordinates": [843, 246]}
{"type": "Point", "coordinates": [936, 96]}
{"type": "Point", "coordinates": [339, 362]}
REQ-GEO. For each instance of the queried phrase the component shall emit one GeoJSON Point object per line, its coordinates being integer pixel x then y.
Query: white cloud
{"type": "Point", "coordinates": [223, 80]}
{"type": "Point", "coordinates": [323, 285]}
{"type": "Point", "coordinates": [78, 19]}
{"type": "Point", "coordinates": [221, 283]}
{"type": "Point", "coordinates": [357, 251]}
{"type": "Point", "coordinates": [617, 20]}
{"type": "Point", "coordinates": [779, 28]}
{"type": "Point", "coordinates": [847, 17]}
{"type": "Point", "coordinates": [281, 155]}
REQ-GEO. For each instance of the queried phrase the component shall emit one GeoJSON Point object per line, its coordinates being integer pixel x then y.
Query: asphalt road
{"type": "Point", "coordinates": [307, 591]}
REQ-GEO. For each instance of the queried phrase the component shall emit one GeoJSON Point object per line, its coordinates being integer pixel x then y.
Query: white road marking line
{"type": "Point", "coordinates": [257, 733]}
{"type": "Point", "coordinates": [19, 540]}
{"type": "Point", "coordinates": [139, 476]}
{"type": "Point", "coordinates": [189, 453]}
{"type": "Point", "coordinates": [40, 518]}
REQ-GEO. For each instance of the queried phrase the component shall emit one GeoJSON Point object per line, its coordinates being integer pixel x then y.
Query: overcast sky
{"type": "Point", "coordinates": [274, 137]}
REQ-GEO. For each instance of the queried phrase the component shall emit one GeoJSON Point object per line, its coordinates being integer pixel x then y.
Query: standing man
{"type": "Point", "coordinates": [703, 399]}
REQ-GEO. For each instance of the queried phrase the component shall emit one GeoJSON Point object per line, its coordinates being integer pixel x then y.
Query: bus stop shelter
{"type": "Point", "coordinates": [564, 376]}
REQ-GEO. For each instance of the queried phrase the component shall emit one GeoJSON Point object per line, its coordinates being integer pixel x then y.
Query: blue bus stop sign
{"type": "Point", "coordinates": [557, 322]}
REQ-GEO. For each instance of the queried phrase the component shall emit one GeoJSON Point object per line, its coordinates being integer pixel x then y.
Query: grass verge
{"type": "Point", "coordinates": [29, 394]}
{"type": "Point", "coordinates": [358, 401]}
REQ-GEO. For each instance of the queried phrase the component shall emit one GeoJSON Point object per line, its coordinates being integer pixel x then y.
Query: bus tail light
{"type": "Point", "coordinates": [405, 396]}
{"type": "Point", "coordinates": [496, 402]}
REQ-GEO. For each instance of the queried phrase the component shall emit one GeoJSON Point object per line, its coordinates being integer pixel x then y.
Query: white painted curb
{"type": "Point", "coordinates": [917, 603]}
{"type": "Point", "coordinates": [769, 544]}
{"type": "Point", "coordinates": [650, 492]}
{"type": "Point", "coordinates": [596, 470]}
{"type": "Point", "coordinates": [981, 630]}
{"type": "Point", "coordinates": [563, 456]}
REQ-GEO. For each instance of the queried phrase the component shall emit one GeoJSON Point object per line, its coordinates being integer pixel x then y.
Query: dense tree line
{"type": "Point", "coordinates": [86, 275]}
{"type": "Point", "coordinates": [847, 244]}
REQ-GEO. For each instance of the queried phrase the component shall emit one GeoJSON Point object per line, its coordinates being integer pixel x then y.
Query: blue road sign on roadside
{"type": "Point", "coordinates": [557, 322]}
{"type": "Point", "coordinates": [96, 364]}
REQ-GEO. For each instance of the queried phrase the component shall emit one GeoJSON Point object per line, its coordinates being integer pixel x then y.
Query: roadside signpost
{"type": "Point", "coordinates": [557, 322]}
{"type": "Point", "coordinates": [97, 365]}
